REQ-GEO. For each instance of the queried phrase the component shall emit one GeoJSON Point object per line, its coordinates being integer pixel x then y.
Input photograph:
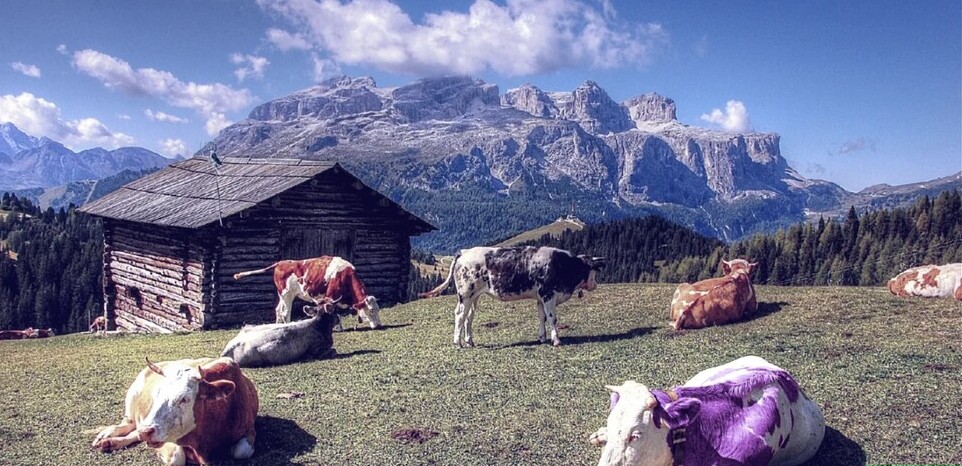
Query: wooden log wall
{"type": "Point", "coordinates": [251, 240]}
{"type": "Point", "coordinates": [154, 277]}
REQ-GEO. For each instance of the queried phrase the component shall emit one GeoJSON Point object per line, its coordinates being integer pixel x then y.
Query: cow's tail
{"type": "Point", "coordinates": [240, 275]}
{"type": "Point", "coordinates": [443, 285]}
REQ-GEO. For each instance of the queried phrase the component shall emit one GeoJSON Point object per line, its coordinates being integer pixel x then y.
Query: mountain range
{"type": "Point", "coordinates": [28, 162]}
{"type": "Point", "coordinates": [482, 165]}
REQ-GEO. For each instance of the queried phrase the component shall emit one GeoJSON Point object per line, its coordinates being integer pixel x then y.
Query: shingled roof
{"type": "Point", "coordinates": [191, 194]}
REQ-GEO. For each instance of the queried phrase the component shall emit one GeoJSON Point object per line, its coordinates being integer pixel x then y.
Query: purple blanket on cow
{"type": "Point", "coordinates": [731, 425]}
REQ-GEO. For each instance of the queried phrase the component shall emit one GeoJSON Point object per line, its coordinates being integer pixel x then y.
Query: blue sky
{"type": "Point", "coordinates": [861, 92]}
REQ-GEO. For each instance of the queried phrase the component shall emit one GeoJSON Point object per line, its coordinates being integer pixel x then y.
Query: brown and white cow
{"type": "Point", "coordinates": [98, 325]}
{"type": "Point", "coordinates": [14, 334]}
{"type": "Point", "coordinates": [930, 281]}
{"type": "Point", "coordinates": [191, 410]}
{"type": "Point", "coordinates": [321, 280]}
{"type": "Point", "coordinates": [715, 301]}
{"type": "Point", "coordinates": [27, 333]}
{"type": "Point", "coordinates": [547, 275]}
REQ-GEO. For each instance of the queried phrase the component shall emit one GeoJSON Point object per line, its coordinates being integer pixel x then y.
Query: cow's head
{"type": "Point", "coordinates": [735, 265]}
{"type": "Point", "coordinates": [368, 311]}
{"type": "Point", "coordinates": [171, 414]}
{"type": "Point", "coordinates": [638, 426]}
{"type": "Point", "coordinates": [320, 309]}
{"type": "Point", "coordinates": [594, 265]}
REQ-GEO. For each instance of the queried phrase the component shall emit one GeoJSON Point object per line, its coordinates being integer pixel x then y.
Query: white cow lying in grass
{"type": "Point", "coordinates": [278, 344]}
{"type": "Point", "coordinates": [746, 412]}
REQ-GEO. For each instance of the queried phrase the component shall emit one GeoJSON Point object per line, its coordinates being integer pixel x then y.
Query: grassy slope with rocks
{"type": "Point", "coordinates": [882, 367]}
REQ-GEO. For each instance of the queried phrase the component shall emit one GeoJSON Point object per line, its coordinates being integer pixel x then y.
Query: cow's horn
{"type": "Point", "coordinates": [153, 366]}
{"type": "Point", "coordinates": [599, 258]}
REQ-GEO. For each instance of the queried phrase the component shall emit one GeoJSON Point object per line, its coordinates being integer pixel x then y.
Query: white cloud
{"type": "Point", "coordinates": [62, 49]}
{"type": "Point", "coordinates": [164, 117]}
{"type": "Point", "coordinates": [211, 101]}
{"type": "Point", "coordinates": [173, 147]}
{"type": "Point", "coordinates": [25, 69]}
{"type": "Point", "coordinates": [285, 41]}
{"type": "Point", "coordinates": [252, 66]}
{"type": "Point", "coordinates": [734, 118]}
{"type": "Point", "coordinates": [123, 116]}
{"type": "Point", "coordinates": [215, 123]}
{"type": "Point", "coordinates": [323, 68]}
{"type": "Point", "coordinates": [520, 38]}
{"type": "Point", "coordinates": [39, 117]}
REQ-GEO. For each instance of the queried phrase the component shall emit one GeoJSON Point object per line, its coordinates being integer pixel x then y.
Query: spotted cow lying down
{"type": "Point", "coordinates": [744, 413]}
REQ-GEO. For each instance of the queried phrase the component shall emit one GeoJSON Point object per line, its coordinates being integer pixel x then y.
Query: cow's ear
{"type": "Point", "coordinates": [615, 396]}
{"type": "Point", "coordinates": [680, 413]}
{"type": "Point", "coordinates": [216, 390]}
{"type": "Point", "coordinates": [726, 267]}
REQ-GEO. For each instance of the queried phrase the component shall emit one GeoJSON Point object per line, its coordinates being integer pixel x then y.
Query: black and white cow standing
{"type": "Point", "coordinates": [548, 275]}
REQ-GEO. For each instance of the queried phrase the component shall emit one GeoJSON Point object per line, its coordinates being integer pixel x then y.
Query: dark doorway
{"type": "Point", "coordinates": [308, 243]}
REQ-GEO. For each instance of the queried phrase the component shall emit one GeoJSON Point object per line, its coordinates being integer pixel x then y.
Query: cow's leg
{"type": "Point", "coordinates": [244, 448]}
{"type": "Point", "coordinates": [541, 316]}
{"type": "Point", "coordinates": [172, 454]}
{"type": "Point", "coordinates": [599, 438]}
{"type": "Point", "coordinates": [116, 437]}
{"type": "Point", "coordinates": [285, 302]}
{"type": "Point", "coordinates": [469, 322]}
{"type": "Point", "coordinates": [458, 321]}
{"type": "Point", "coordinates": [550, 311]}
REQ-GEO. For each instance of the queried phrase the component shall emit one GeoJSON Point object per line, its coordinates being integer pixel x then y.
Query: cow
{"type": "Point", "coordinates": [28, 333]}
{"type": "Point", "coordinates": [545, 274]}
{"type": "Point", "coordinates": [315, 280]}
{"type": "Point", "coordinates": [191, 410]}
{"type": "Point", "coordinates": [14, 334]}
{"type": "Point", "coordinates": [277, 344]}
{"type": "Point", "coordinates": [715, 301]}
{"type": "Point", "coordinates": [930, 281]}
{"type": "Point", "coordinates": [746, 412]}
{"type": "Point", "coordinates": [98, 325]}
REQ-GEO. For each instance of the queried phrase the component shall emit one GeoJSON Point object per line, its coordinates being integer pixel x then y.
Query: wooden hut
{"type": "Point", "coordinates": [174, 238]}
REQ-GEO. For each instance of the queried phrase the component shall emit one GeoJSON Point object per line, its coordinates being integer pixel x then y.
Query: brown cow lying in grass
{"type": "Point", "coordinates": [715, 301]}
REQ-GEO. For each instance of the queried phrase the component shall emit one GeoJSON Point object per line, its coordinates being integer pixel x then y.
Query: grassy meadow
{"type": "Point", "coordinates": [887, 372]}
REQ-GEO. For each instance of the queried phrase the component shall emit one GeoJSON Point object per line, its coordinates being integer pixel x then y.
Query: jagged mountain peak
{"type": "Point", "coordinates": [12, 140]}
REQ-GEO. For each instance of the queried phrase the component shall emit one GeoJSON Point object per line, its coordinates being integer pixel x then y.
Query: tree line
{"type": "Point", "coordinates": [50, 267]}
{"type": "Point", "coordinates": [861, 249]}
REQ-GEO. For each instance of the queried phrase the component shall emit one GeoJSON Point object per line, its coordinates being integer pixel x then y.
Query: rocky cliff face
{"type": "Point", "coordinates": [440, 137]}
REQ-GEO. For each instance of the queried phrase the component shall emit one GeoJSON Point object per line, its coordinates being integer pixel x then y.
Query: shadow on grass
{"type": "Point", "coordinates": [280, 441]}
{"type": "Point", "coordinates": [354, 353]}
{"type": "Point", "coordinates": [582, 339]}
{"type": "Point", "coordinates": [765, 309]}
{"type": "Point", "coordinates": [837, 449]}
{"type": "Point", "coordinates": [366, 328]}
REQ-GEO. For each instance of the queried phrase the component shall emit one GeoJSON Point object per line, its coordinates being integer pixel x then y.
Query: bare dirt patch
{"type": "Point", "coordinates": [417, 436]}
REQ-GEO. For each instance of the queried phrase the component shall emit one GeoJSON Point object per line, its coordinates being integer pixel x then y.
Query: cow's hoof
{"type": "Point", "coordinates": [469, 344]}
{"type": "Point", "coordinates": [104, 445]}
{"type": "Point", "coordinates": [598, 439]}
{"type": "Point", "coordinates": [555, 342]}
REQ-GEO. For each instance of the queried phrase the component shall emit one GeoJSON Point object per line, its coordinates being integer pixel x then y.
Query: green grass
{"type": "Point", "coordinates": [888, 372]}
{"type": "Point", "coordinates": [555, 229]}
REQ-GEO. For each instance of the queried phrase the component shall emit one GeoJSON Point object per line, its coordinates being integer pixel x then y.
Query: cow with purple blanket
{"type": "Point", "coordinates": [746, 412]}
